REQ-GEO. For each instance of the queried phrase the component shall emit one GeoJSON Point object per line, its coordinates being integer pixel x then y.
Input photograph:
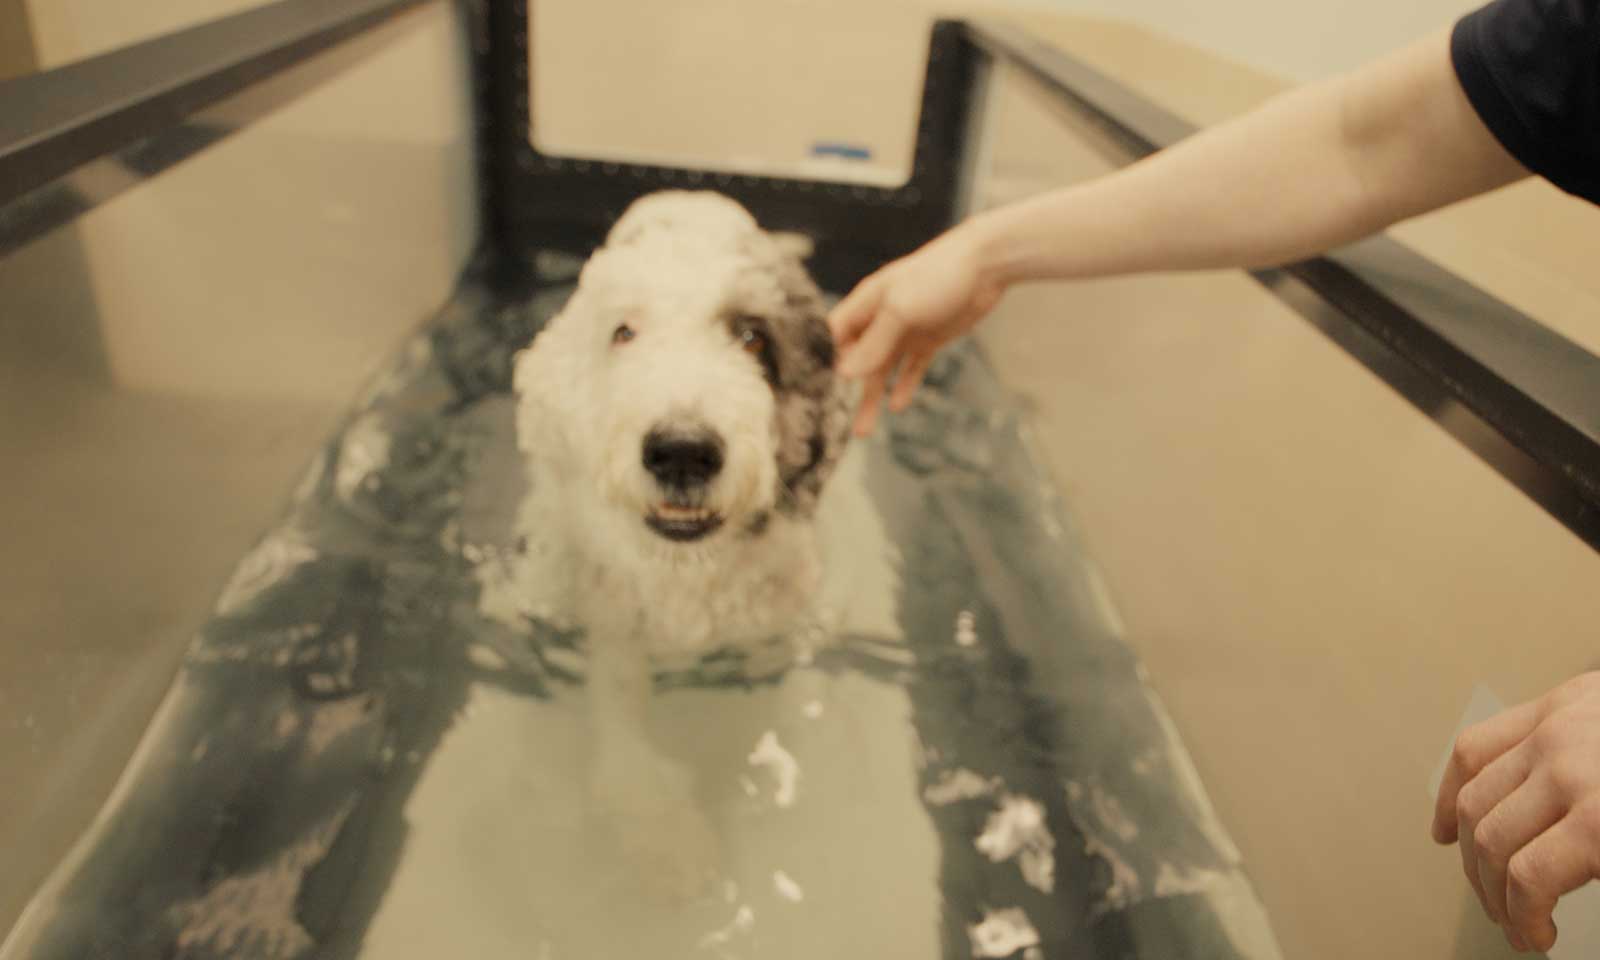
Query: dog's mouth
{"type": "Point", "coordinates": [682, 524]}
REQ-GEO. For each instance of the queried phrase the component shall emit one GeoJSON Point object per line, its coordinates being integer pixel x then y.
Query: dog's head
{"type": "Point", "coordinates": [690, 377]}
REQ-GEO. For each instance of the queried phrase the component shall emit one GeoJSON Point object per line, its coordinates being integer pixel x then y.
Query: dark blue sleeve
{"type": "Point", "coordinates": [1531, 68]}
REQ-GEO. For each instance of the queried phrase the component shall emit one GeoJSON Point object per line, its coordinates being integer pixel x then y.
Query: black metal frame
{"type": "Point", "coordinates": [539, 200]}
{"type": "Point", "coordinates": [1519, 395]}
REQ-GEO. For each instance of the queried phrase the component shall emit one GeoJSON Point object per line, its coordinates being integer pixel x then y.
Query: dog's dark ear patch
{"type": "Point", "coordinates": [822, 347]}
{"type": "Point", "coordinates": [818, 448]}
{"type": "Point", "coordinates": [814, 413]}
{"type": "Point", "coordinates": [814, 430]}
{"type": "Point", "coordinates": [803, 484]}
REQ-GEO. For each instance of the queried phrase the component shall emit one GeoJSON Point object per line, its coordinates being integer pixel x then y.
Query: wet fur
{"type": "Point", "coordinates": [687, 273]}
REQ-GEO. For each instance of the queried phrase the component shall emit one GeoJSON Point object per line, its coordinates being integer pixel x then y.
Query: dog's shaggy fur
{"type": "Point", "coordinates": [681, 417]}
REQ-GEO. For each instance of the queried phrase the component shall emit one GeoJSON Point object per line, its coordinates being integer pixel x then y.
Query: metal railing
{"type": "Point", "coordinates": [1521, 396]}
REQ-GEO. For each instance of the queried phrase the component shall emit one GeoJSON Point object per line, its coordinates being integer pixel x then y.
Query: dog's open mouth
{"type": "Point", "coordinates": [683, 524]}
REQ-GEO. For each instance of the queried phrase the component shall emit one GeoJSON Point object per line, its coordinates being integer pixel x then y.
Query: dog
{"type": "Point", "coordinates": [680, 417]}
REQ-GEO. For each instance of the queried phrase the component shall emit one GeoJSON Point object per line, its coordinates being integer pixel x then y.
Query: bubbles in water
{"type": "Point", "coordinates": [1018, 829]}
{"type": "Point", "coordinates": [958, 784]}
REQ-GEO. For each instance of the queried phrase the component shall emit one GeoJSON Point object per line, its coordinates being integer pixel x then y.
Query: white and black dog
{"type": "Point", "coordinates": [680, 416]}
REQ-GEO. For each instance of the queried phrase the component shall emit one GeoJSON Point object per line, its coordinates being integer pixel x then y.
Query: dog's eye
{"type": "Point", "coordinates": [621, 335]}
{"type": "Point", "coordinates": [750, 333]}
{"type": "Point", "coordinates": [754, 342]}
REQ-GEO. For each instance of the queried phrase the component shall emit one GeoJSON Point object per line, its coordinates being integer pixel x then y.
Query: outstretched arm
{"type": "Point", "coordinates": [1313, 169]}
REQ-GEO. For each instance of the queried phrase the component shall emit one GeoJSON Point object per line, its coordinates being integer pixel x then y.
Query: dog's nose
{"type": "Point", "coordinates": [682, 459]}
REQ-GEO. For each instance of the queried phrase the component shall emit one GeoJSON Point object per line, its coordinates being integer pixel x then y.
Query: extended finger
{"type": "Point", "coordinates": [871, 400]}
{"type": "Point", "coordinates": [876, 348]}
{"type": "Point", "coordinates": [855, 311]}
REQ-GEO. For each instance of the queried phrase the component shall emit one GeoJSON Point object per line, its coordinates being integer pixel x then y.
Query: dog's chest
{"type": "Point", "coordinates": [729, 598]}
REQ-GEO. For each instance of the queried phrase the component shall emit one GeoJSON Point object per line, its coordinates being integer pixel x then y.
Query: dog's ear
{"type": "Point", "coordinates": [835, 422]}
{"type": "Point", "coordinates": [815, 406]}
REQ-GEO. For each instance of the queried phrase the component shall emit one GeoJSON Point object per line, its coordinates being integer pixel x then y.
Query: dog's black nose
{"type": "Point", "coordinates": [681, 460]}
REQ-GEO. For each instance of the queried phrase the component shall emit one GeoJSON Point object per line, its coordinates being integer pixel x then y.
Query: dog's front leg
{"type": "Point", "coordinates": [647, 797]}
{"type": "Point", "coordinates": [619, 697]}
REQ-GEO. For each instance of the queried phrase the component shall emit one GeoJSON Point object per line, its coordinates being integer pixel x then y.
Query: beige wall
{"type": "Point", "coordinates": [1299, 39]}
{"type": "Point", "coordinates": [68, 30]}
{"type": "Point", "coordinates": [729, 84]}
{"type": "Point", "coordinates": [16, 40]}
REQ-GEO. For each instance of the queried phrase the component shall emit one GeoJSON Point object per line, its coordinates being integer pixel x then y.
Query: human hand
{"type": "Point", "coordinates": [1521, 795]}
{"type": "Point", "coordinates": [895, 322]}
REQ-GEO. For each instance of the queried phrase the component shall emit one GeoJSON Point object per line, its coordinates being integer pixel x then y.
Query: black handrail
{"type": "Point", "coordinates": [55, 121]}
{"type": "Point", "coordinates": [1534, 394]}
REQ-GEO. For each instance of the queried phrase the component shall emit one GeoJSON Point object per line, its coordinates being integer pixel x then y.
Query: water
{"type": "Point", "coordinates": [372, 751]}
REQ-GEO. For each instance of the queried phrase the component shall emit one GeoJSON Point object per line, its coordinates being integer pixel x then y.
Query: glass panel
{"type": "Point", "coordinates": [1317, 576]}
{"type": "Point", "coordinates": [52, 33]}
{"type": "Point", "coordinates": [170, 362]}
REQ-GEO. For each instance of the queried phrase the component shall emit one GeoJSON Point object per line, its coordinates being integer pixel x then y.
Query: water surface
{"type": "Point", "coordinates": [372, 751]}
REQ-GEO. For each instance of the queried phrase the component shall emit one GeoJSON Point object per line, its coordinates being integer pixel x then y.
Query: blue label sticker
{"type": "Point", "coordinates": [847, 151]}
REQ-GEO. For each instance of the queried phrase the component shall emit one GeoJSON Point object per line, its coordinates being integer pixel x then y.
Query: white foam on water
{"type": "Point", "coordinates": [957, 785]}
{"type": "Point", "coordinates": [1017, 829]}
{"type": "Point", "coordinates": [966, 629]}
{"type": "Point", "coordinates": [769, 753]}
{"type": "Point", "coordinates": [1002, 933]}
